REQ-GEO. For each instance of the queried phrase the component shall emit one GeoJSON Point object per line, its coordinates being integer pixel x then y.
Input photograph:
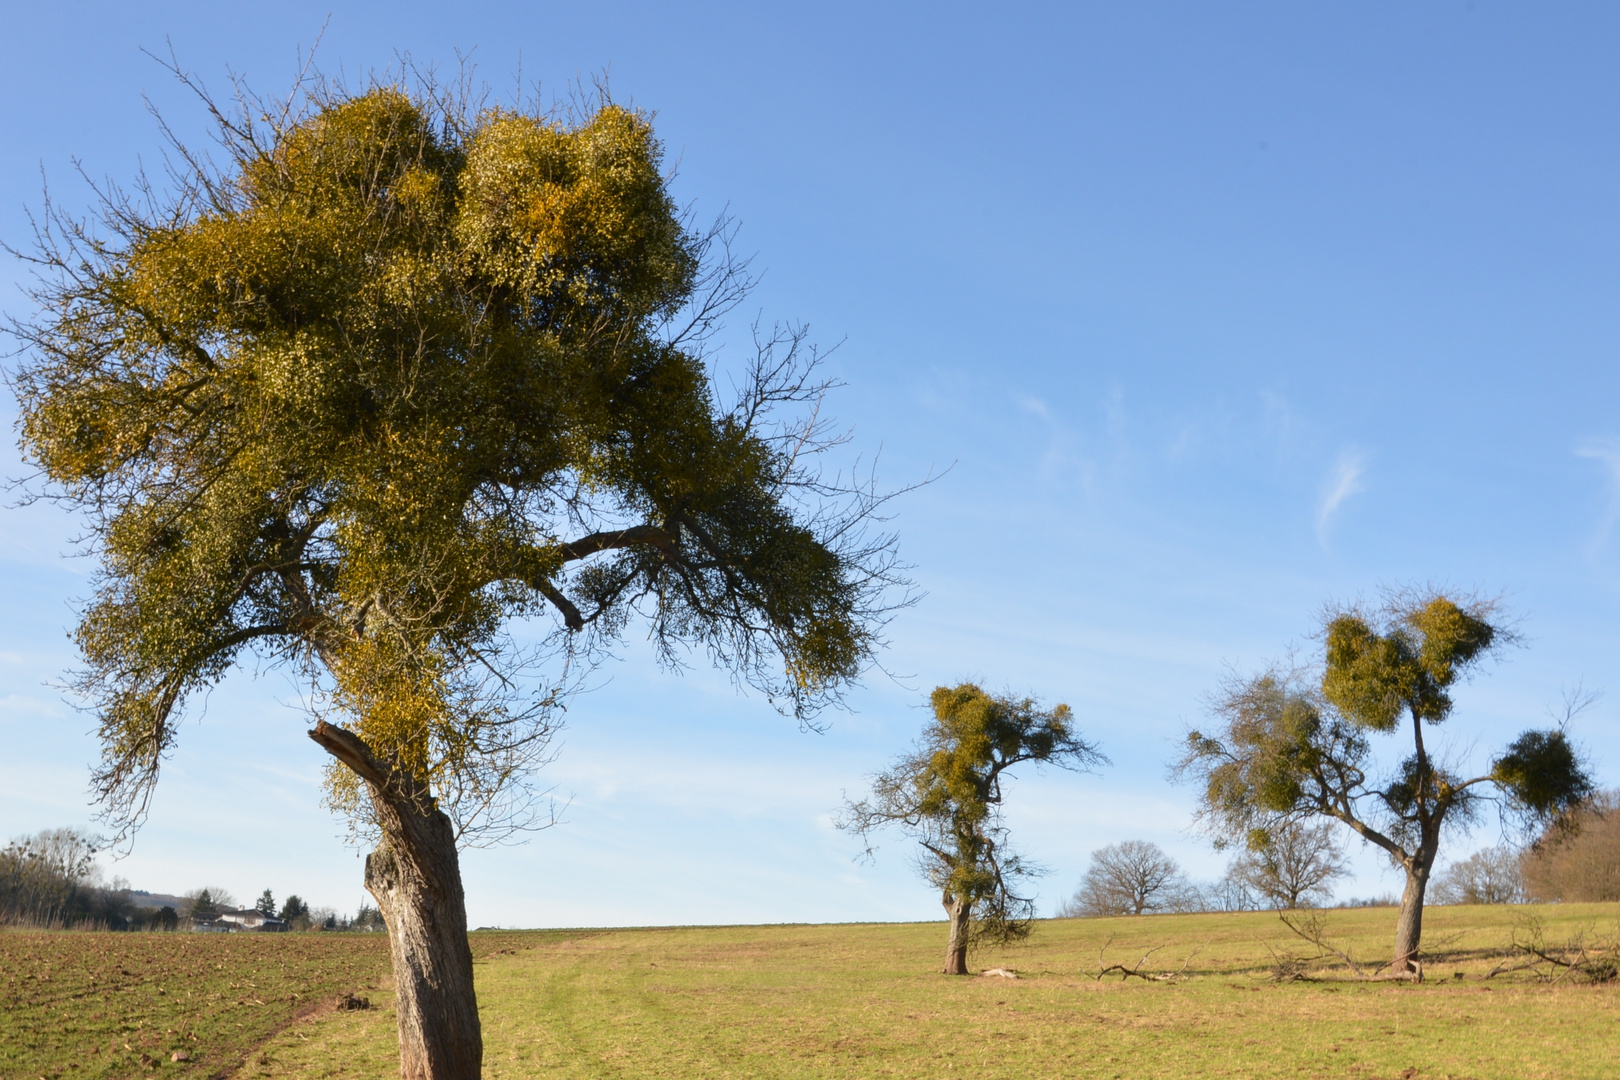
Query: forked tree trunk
{"type": "Point", "coordinates": [956, 951]}
{"type": "Point", "coordinates": [415, 876]}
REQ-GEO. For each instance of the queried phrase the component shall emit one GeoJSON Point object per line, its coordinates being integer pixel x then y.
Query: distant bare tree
{"type": "Point", "coordinates": [1292, 865]}
{"type": "Point", "coordinates": [1489, 876]}
{"type": "Point", "coordinates": [1231, 893]}
{"type": "Point", "coordinates": [206, 902]}
{"type": "Point", "coordinates": [1579, 860]}
{"type": "Point", "coordinates": [1133, 877]}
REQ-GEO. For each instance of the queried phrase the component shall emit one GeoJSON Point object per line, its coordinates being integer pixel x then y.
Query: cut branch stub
{"type": "Point", "coordinates": [350, 749]}
{"type": "Point", "coordinates": [415, 876]}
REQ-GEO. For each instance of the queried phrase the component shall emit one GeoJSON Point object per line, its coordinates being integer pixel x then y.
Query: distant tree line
{"type": "Point", "coordinates": [1575, 860]}
{"type": "Point", "coordinates": [294, 910]}
{"type": "Point", "coordinates": [51, 880]}
{"type": "Point", "coordinates": [1288, 869]}
{"type": "Point", "coordinates": [1578, 863]}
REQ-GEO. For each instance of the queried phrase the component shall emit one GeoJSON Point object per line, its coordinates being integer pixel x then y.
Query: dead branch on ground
{"type": "Point", "coordinates": [1312, 927]}
{"type": "Point", "coordinates": [1136, 969]}
{"type": "Point", "coordinates": [1582, 957]}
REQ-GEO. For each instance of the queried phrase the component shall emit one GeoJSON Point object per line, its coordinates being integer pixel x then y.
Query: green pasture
{"type": "Point", "coordinates": [829, 1001]}
{"type": "Point", "coordinates": [864, 1001]}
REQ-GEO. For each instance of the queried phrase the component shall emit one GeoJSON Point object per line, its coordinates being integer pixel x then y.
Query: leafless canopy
{"type": "Point", "coordinates": [1133, 877]}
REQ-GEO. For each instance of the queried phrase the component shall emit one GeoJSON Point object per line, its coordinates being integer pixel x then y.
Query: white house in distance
{"type": "Point", "coordinates": [250, 919]}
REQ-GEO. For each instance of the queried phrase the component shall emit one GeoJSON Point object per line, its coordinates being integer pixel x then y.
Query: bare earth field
{"type": "Point", "coordinates": [829, 1001]}
{"type": "Point", "coordinates": [106, 1005]}
{"type": "Point", "coordinates": [94, 1005]}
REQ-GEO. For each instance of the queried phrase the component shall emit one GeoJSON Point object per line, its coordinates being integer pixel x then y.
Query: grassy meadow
{"type": "Point", "coordinates": [863, 1000]}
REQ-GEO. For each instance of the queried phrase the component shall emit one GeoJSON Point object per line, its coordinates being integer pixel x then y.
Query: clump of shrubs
{"type": "Point", "coordinates": [1578, 859]}
{"type": "Point", "coordinates": [51, 879]}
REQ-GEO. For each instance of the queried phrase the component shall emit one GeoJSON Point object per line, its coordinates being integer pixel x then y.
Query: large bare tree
{"type": "Point", "coordinates": [400, 370]}
{"type": "Point", "coordinates": [1488, 876]}
{"type": "Point", "coordinates": [1132, 877]}
{"type": "Point", "coordinates": [1291, 865]}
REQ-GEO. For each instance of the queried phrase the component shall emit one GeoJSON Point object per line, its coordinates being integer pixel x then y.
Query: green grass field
{"type": "Point", "coordinates": [863, 1000]}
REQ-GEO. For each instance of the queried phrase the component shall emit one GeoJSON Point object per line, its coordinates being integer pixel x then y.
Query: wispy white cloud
{"type": "Point", "coordinates": [1117, 418]}
{"type": "Point", "coordinates": [1034, 405]}
{"type": "Point", "coordinates": [1182, 446]}
{"type": "Point", "coordinates": [1062, 458]}
{"type": "Point", "coordinates": [1345, 480]}
{"type": "Point", "coordinates": [1281, 422]}
{"type": "Point", "coordinates": [1607, 452]}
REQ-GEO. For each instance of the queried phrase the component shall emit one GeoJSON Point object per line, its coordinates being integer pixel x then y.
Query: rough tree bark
{"type": "Point", "coordinates": [415, 876]}
{"type": "Point", "coordinates": [956, 951]}
{"type": "Point", "coordinates": [1409, 924]}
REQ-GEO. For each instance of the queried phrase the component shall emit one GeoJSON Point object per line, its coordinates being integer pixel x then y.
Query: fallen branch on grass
{"type": "Point", "coordinates": [1136, 969]}
{"type": "Point", "coordinates": [1581, 957]}
{"type": "Point", "coordinates": [1286, 967]}
{"type": "Point", "coordinates": [1312, 927]}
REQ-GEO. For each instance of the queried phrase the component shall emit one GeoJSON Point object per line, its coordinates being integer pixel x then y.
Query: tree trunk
{"type": "Point", "coordinates": [1409, 925]}
{"type": "Point", "coordinates": [415, 876]}
{"type": "Point", "coordinates": [956, 951]}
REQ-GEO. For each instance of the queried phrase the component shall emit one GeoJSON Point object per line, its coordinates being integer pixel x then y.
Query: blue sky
{"type": "Point", "coordinates": [1221, 312]}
